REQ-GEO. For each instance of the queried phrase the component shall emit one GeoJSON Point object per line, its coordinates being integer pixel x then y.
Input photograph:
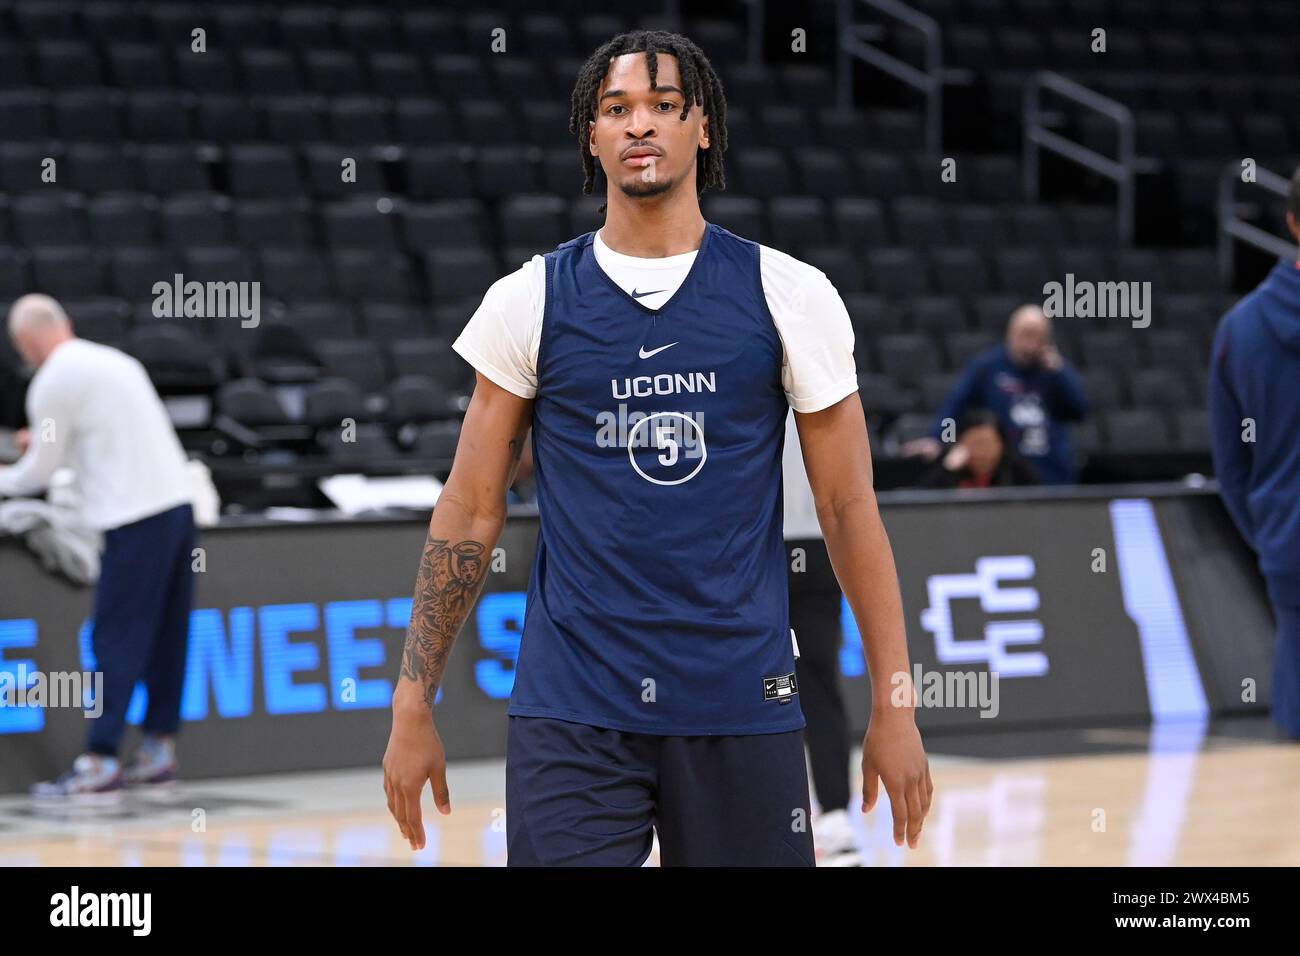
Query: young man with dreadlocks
{"type": "Point", "coordinates": [655, 360]}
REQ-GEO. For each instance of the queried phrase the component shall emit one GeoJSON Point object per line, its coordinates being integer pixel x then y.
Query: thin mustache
{"type": "Point", "coordinates": [658, 151]}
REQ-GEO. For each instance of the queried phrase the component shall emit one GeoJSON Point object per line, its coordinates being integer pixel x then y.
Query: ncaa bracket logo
{"type": "Point", "coordinates": [661, 448]}
{"type": "Point", "coordinates": [998, 635]}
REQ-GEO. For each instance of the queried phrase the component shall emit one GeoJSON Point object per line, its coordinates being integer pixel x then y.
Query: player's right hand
{"type": "Point", "coordinates": [23, 440]}
{"type": "Point", "coordinates": [414, 757]}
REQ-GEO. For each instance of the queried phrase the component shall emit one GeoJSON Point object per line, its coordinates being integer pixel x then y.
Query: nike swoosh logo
{"type": "Point", "coordinates": [642, 295]}
{"type": "Point", "coordinates": [644, 354]}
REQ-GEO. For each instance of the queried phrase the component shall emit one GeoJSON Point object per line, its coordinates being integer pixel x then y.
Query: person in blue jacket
{"type": "Point", "coordinates": [1030, 387]}
{"type": "Point", "coordinates": [1255, 437]}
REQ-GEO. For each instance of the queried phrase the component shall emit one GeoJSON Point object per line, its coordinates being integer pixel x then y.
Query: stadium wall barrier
{"type": "Point", "coordinates": [1092, 607]}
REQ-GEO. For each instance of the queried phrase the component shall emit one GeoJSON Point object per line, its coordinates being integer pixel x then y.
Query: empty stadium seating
{"type": "Point", "coordinates": [227, 165]}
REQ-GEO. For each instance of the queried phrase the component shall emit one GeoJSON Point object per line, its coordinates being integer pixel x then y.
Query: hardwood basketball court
{"type": "Point", "coordinates": [1170, 795]}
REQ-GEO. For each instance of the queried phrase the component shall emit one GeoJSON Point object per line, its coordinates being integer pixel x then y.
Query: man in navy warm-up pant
{"type": "Point", "coordinates": [93, 409]}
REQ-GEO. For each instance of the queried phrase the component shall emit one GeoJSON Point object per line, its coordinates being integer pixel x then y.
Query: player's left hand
{"type": "Point", "coordinates": [892, 752]}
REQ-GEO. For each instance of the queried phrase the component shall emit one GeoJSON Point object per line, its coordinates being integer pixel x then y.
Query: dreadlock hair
{"type": "Point", "coordinates": [699, 82]}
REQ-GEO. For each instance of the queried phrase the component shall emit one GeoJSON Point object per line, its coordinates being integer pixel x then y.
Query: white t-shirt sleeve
{"type": "Point", "coordinates": [49, 422]}
{"type": "Point", "coordinates": [818, 368]}
{"type": "Point", "coordinates": [502, 336]}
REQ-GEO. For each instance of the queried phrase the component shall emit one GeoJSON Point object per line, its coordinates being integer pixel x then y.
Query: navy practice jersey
{"type": "Point", "coordinates": [658, 598]}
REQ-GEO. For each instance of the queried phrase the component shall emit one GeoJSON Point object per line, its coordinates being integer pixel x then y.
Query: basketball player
{"type": "Point", "coordinates": [655, 360]}
{"type": "Point", "coordinates": [94, 409]}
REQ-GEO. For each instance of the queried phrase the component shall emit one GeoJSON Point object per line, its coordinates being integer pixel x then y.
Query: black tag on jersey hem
{"type": "Point", "coordinates": [782, 688]}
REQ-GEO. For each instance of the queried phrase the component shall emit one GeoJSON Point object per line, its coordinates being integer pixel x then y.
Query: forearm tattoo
{"type": "Point", "coordinates": [450, 578]}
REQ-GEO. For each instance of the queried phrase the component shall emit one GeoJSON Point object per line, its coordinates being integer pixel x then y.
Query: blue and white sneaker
{"type": "Point", "coordinates": [154, 765]}
{"type": "Point", "coordinates": [92, 780]}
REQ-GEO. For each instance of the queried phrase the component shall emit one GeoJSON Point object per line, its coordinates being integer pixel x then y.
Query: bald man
{"type": "Point", "coordinates": [1032, 390]}
{"type": "Point", "coordinates": [93, 409]}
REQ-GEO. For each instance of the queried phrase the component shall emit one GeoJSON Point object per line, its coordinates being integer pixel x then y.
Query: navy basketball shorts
{"type": "Point", "coordinates": [578, 795]}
